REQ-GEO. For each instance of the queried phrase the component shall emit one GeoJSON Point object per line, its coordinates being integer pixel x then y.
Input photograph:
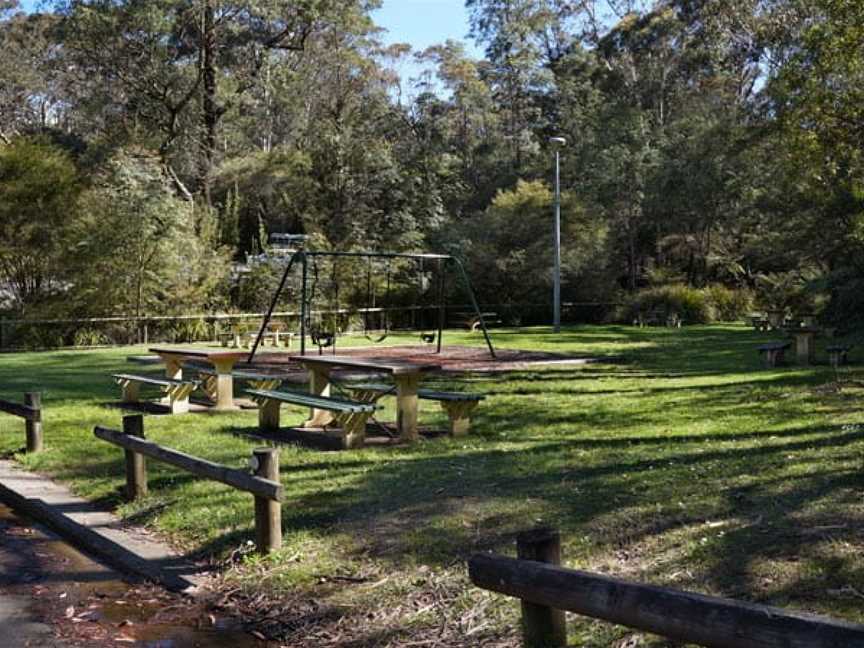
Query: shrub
{"type": "Point", "coordinates": [729, 304]}
{"type": "Point", "coordinates": [90, 337]}
{"type": "Point", "coordinates": [35, 337]}
{"type": "Point", "coordinates": [192, 330]}
{"type": "Point", "coordinates": [690, 304]}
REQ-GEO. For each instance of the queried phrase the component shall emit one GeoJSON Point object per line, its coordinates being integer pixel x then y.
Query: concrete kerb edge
{"type": "Point", "coordinates": [94, 543]}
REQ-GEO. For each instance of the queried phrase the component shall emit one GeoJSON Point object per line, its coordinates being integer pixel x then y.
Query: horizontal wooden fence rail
{"type": "Point", "coordinates": [264, 484]}
{"type": "Point", "coordinates": [31, 412]}
{"type": "Point", "coordinates": [546, 588]}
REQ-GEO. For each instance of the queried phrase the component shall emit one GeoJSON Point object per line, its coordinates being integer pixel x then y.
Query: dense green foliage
{"type": "Point", "coordinates": [708, 142]}
{"type": "Point", "coordinates": [40, 187]}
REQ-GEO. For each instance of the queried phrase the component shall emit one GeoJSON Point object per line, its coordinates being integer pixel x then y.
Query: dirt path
{"type": "Point", "coordinates": [52, 596]}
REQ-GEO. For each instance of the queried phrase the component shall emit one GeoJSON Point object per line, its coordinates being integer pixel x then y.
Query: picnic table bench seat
{"type": "Point", "coordinates": [838, 354]}
{"type": "Point", "coordinates": [773, 352]}
{"type": "Point", "coordinates": [350, 415]}
{"type": "Point", "coordinates": [176, 391]}
{"type": "Point", "coordinates": [257, 380]}
{"type": "Point", "coordinates": [457, 405]}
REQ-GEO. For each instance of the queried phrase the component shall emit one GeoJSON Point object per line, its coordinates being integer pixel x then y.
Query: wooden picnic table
{"type": "Point", "coordinates": [805, 343]}
{"type": "Point", "coordinates": [222, 361]}
{"type": "Point", "coordinates": [406, 376]}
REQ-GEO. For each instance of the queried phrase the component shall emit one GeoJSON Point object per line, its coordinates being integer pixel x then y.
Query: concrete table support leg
{"type": "Point", "coordinates": [224, 390]}
{"type": "Point", "coordinates": [406, 406]}
{"type": "Point", "coordinates": [319, 385]}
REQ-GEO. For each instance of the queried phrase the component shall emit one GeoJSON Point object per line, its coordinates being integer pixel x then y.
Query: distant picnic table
{"type": "Point", "coordinates": [471, 321]}
{"type": "Point", "coordinates": [805, 343]}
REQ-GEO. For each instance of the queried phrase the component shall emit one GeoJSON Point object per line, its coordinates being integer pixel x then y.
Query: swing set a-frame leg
{"type": "Point", "coordinates": [274, 301]}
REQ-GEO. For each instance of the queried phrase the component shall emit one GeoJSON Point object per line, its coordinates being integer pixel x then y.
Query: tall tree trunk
{"type": "Point", "coordinates": [210, 109]}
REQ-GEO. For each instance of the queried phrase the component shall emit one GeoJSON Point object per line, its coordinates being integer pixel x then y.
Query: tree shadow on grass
{"type": "Point", "coordinates": [412, 488]}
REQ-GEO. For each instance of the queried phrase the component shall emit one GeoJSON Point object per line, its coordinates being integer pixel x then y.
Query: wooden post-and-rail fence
{"type": "Point", "coordinates": [546, 589]}
{"type": "Point", "coordinates": [31, 412]}
{"type": "Point", "coordinates": [263, 484]}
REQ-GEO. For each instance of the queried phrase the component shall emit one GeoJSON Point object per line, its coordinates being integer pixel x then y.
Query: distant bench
{"type": "Point", "coordinates": [837, 354]}
{"type": "Point", "coordinates": [177, 391]}
{"type": "Point", "coordinates": [350, 415]}
{"type": "Point", "coordinates": [457, 405]}
{"type": "Point", "coordinates": [773, 352]}
{"type": "Point", "coordinates": [760, 323]}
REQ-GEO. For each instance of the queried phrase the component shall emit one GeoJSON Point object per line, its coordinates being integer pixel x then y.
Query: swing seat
{"type": "Point", "coordinates": [380, 338]}
{"type": "Point", "coordinates": [322, 339]}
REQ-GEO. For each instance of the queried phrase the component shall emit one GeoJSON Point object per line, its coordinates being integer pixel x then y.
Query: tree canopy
{"type": "Point", "coordinates": [708, 142]}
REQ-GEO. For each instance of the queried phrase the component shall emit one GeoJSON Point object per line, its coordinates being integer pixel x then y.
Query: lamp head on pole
{"type": "Point", "coordinates": [558, 142]}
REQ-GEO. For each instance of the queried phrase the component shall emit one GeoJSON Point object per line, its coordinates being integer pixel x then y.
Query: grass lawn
{"type": "Point", "coordinates": [688, 465]}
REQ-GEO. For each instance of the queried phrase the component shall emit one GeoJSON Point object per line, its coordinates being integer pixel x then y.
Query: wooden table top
{"type": "Point", "coordinates": [802, 330]}
{"type": "Point", "coordinates": [390, 365]}
{"type": "Point", "coordinates": [200, 353]}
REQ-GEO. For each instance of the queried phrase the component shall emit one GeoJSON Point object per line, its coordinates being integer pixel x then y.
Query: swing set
{"type": "Point", "coordinates": [324, 334]}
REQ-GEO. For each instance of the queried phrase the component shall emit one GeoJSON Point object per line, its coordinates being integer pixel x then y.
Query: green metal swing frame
{"type": "Point", "coordinates": [303, 256]}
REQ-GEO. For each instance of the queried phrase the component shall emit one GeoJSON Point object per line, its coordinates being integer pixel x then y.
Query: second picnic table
{"type": "Point", "coordinates": [406, 376]}
{"type": "Point", "coordinates": [805, 343]}
{"type": "Point", "coordinates": [222, 361]}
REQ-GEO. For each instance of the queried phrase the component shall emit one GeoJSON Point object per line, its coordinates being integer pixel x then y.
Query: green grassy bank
{"type": "Point", "coordinates": [687, 464]}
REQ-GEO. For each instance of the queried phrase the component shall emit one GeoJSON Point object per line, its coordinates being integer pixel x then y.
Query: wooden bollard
{"type": "Point", "coordinates": [268, 513]}
{"type": "Point", "coordinates": [33, 425]}
{"type": "Point", "coordinates": [542, 626]}
{"type": "Point", "coordinates": [136, 468]}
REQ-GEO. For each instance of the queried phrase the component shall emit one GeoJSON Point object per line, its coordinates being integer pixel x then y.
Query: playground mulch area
{"type": "Point", "coordinates": [452, 359]}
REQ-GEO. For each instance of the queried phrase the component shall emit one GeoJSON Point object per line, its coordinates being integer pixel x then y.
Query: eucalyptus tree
{"type": "Point", "coordinates": [135, 247]}
{"type": "Point", "coordinates": [167, 71]}
{"type": "Point", "coordinates": [816, 95]}
{"type": "Point", "coordinates": [31, 73]}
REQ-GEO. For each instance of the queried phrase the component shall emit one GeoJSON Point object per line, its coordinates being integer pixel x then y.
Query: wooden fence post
{"type": "Point", "coordinates": [33, 426]}
{"type": "Point", "coordinates": [268, 513]}
{"type": "Point", "coordinates": [136, 468]}
{"type": "Point", "coordinates": [542, 626]}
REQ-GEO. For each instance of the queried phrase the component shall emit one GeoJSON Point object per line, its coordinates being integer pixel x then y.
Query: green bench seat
{"type": "Point", "coordinates": [350, 415]}
{"type": "Point", "coordinates": [838, 354]}
{"type": "Point", "coordinates": [773, 352]}
{"type": "Point", "coordinates": [262, 381]}
{"type": "Point", "coordinates": [177, 391]}
{"type": "Point", "coordinates": [457, 405]}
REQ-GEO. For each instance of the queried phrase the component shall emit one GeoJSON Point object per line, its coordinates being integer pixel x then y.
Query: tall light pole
{"type": "Point", "coordinates": [557, 144]}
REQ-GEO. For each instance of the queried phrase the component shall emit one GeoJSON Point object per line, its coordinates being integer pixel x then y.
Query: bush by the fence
{"type": "Point", "coordinates": [730, 304]}
{"type": "Point", "coordinates": [692, 305]}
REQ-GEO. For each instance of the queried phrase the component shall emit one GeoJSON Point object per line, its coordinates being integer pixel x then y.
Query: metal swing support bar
{"type": "Point", "coordinates": [303, 256]}
{"type": "Point", "coordinates": [474, 303]}
{"type": "Point", "coordinates": [380, 255]}
{"type": "Point", "coordinates": [275, 299]}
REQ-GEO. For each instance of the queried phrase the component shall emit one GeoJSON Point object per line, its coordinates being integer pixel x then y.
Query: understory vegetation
{"type": "Point", "coordinates": [676, 460]}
